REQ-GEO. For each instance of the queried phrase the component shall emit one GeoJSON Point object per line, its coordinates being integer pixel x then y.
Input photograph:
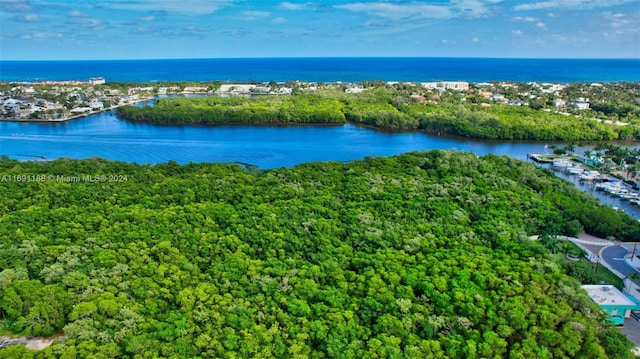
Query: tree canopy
{"type": "Point", "coordinates": [383, 108]}
{"type": "Point", "coordinates": [421, 255]}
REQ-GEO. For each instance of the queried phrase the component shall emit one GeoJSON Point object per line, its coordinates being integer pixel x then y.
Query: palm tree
{"type": "Point", "coordinates": [587, 157]}
{"type": "Point", "coordinates": [550, 241]}
{"type": "Point", "coordinates": [633, 156]}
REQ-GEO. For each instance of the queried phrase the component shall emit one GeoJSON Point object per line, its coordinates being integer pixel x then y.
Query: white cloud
{"type": "Point", "coordinates": [254, 15]}
{"type": "Point", "coordinates": [517, 32]}
{"type": "Point", "coordinates": [28, 18]}
{"type": "Point", "coordinates": [192, 28]}
{"type": "Point", "coordinates": [622, 24]}
{"type": "Point", "coordinates": [87, 23]}
{"type": "Point", "coordinates": [291, 6]}
{"type": "Point", "coordinates": [475, 39]}
{"type": "Point", "coordinates": [191, 7]}
{"type": "Point", "coordinates": [279, 20]}
{"type": "Point", "coordinates": [471, 7]}
{"type": "Point", "coordinates": [421, 10]}
{"type": "Point", "coordinates": [147, 18]}
{"type": "Point", "coordinates": [541, 25]}
{"type": "Point", "coordinates": [15, 5]}
{"type": "Point", "coordinates": [571, 4]}
{"type": "Point", "coordinates": [525, 19]}
{"type": "Point", "coordinates": [78, 13]}
{"type": "Point", "coordinates": [42, 35]}
{"type": "Point", "coordinates": [399, 11]}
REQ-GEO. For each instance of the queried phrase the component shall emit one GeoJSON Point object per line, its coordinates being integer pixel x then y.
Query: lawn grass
{"type": "Point", "coordinates": [605, 275]}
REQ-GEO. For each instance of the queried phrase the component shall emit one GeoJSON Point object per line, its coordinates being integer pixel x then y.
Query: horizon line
{"type": "Point", "coordinates": [324, 57]}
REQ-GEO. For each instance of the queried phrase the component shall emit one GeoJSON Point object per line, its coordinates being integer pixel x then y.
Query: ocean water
{"type": "Point", "coordinates": [328, 70]}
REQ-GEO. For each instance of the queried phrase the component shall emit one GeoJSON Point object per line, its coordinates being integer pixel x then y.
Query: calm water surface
{"type": "Point", "coordinates": [104, 135]}
{"type": "Point", "coordinates": [328, 69]}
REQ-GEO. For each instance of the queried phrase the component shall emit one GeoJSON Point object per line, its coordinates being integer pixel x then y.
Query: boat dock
{"type": "Point", "coordinates": [548, 158]}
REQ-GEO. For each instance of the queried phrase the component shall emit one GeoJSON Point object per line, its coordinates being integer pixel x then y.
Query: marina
{"type": "Point", "coordinates": [611, 188]}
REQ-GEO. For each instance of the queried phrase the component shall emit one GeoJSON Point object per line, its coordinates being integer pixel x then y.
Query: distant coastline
{"type": "Point", "coordinates": [329, 70]}
{"type": "Point", "coordinates": [73, 117]}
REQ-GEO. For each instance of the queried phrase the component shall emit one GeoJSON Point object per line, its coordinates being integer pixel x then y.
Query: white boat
{"type": "Point", "coordinates": [619, 192]}
{"type": "Point", "coordinates": [590, 176]}
{"type": "Point", "coordinates": [561, 163]}
{"type": "Point", "coordinates": [616, 189]}
{"type": "Point", "coordinates": [631, 195]}
{"type": "Point", "coordinates": [634, 201]}
{"type": "Point", "coordinates": [576, 170]}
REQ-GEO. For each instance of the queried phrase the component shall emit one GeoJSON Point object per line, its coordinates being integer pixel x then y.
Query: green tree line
{"type": "Point", "coordinates": [421, 255]}
{"type": "Point", "coordinates": [382, 108]}
{"type": "Point", "coordinates": [238, 110]}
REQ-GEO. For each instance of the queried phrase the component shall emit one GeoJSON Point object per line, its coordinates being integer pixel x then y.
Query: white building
{"type": "Point", "coordinates": [446, 85]}
{"type": "Point", "coordinates": [498, 97]}
{"type": "Point", "coordinates": [580, 103]}
{"type": "Point", "coordinates": [617, 304]}
{"type": "Point", "coordinates": [194, 89]}
{"type": "Point", "coordinates": [97, 80]}
{"type": "Point", "coordinates": [79, 110]}
{"type": "Point", "coordinates": [96, 104]}
{"type": "Point", "coordinates": [551, 88]}
{"type": "Point", "coordinates": [236, 88]}
{"type": "Point", "coordinates": [354, 90]}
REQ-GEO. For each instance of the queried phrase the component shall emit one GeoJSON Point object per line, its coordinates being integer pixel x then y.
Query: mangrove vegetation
{"type": "Point", "coordinates": [421, 255]}
{"type": "Point", "coordinates": [389, 108]}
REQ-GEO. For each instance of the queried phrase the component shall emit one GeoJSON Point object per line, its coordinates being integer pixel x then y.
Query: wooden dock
{"type": "Point", "coordinates": [548, 158]}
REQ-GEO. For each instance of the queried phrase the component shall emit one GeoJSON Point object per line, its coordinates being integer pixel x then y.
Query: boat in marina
{"type": "Point", "coordinates": [629, 196]}
{"type": "Point", "coordinates": [575, 170]}
{"type": "Point", "coordinates": [561, 163]}
{"type": "Point", "coordinates": [590, 175]}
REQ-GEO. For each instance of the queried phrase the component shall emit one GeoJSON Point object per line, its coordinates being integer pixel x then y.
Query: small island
{"type": "Point", "coordinates": [475, 111]}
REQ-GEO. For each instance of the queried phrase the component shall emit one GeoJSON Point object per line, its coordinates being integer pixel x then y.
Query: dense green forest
{"type": "Point", "coordinates": [422, 255]}
{"type": "Point", "coordinates": [382, 108]}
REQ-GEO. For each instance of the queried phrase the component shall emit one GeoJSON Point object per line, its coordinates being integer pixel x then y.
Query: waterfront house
{"type": "Point", "coordinates": [11, 105]}
{"type": "Point", "coordinates": [236, 88]}
{"type": "Point", "coordinates": [80, 110]}
{"type": "Point", "coordinates": [96, 104]}
{"type": "Point", "coordinates": [23, 113]}
{"type": "Point", "coordinates": [613, 301]}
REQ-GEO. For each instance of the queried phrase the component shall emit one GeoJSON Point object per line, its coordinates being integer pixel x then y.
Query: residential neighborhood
{"type": "Point", "coordinates": [64, 100]}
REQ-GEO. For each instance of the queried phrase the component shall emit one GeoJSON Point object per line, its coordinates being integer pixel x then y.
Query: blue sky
{"type": "Point", "coordinates": [143, 29]}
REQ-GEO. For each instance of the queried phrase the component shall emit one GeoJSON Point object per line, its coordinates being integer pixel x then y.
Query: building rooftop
{"type": "Point", "coordinates": [607, 295]}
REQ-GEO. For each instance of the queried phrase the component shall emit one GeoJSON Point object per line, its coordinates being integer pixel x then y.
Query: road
{"type": "Point", "coordinates": [614, 256]}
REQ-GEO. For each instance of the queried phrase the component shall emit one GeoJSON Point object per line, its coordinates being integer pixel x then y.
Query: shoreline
{"type": "Point", "coordinates": [74, 117]}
